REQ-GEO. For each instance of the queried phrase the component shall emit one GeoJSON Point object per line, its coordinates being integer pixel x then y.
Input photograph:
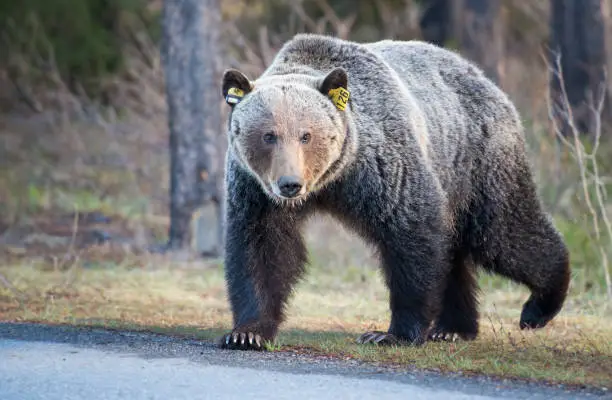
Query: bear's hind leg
{"type": "Point", "coordinates": [459, 315]}
{"type": "Point", "coordinates": [548, 278]}
{"type": "Point", "coordinates": [516, 239]}
{"type": "Point", "coordinates": [539, 260]}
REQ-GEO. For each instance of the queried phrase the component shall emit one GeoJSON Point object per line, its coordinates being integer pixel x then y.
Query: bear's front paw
{"type": "Point", "coordinates": [242, 341]}
{"type": "Point", "coordinates": [378, 337]}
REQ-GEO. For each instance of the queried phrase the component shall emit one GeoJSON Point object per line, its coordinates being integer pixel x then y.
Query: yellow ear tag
{"type": "Point", "coordinates": [340, 97]}
{"type": "Point", "coordinates": [234, 95]}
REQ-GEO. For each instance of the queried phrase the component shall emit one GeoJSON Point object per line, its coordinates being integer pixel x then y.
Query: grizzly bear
{"type": "Point", "coordinates": [410, 146]}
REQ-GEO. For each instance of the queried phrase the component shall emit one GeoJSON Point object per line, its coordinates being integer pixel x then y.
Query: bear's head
{"type": "Point", "coordinates": [288, 131]}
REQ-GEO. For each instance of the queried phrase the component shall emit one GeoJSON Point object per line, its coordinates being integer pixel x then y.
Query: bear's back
{"type": "Point", "coordinates": [469, 118]}
{"type": "Point", "coordinates": [453, 92]}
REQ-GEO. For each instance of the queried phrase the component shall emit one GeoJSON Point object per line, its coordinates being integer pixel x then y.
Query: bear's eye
{"type": "Point", "coordinates": [305, 139]}
{"type": "Point", "coordinates": [269, 138]}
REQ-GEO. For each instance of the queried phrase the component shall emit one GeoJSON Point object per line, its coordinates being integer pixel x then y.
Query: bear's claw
{"type": "Point", "coordinates": [241, 341]}
{"type": "Point", "coordinates": [378, 337]}
{"type": "Point", "coordinates": [443, 337]}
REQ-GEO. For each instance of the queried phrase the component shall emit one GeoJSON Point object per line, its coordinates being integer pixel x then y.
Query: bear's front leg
{"type": "Point", "coordinates": [415, 267]}
{"type": "Point", "coordinates": [264, 258]}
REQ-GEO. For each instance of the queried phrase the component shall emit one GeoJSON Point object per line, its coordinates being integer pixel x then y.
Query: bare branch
{"type": "Point", "coordinates": [341, 26]}
{"type": "Point", "coordinates": [298, 8]}
{"type": "Point", "coordinates": [267, 53]}
{"type": "Point", "coordinates": [596, 107]}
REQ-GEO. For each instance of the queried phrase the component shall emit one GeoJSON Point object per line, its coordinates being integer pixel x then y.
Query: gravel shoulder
{"type": "Point", "coordinates": [68, 362]}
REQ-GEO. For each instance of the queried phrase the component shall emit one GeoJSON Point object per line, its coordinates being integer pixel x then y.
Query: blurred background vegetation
{"type": "Point", "coordinates": [84, 117]}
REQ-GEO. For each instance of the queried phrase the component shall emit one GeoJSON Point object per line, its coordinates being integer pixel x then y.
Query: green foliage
{"type": "Point", "coordinates": [81, 38]}
{"type": "Point", "coordinates": [585, 254]}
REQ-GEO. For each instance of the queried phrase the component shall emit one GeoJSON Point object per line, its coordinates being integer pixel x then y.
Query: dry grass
{"type": "Point", "coordinates": [331, 307]}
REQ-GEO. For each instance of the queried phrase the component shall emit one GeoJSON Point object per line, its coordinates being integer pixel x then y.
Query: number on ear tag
{"type": "Point", "coordinates": [340, 97]}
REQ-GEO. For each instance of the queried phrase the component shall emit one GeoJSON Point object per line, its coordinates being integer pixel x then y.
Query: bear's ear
{"type": "Point", "coordinates": [335, 85]}
{"type": "Point", "coordinates": [235, 86]}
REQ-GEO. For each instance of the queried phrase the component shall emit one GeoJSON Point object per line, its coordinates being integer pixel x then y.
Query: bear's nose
{"type": "Point", "coordinates": [289, 186]}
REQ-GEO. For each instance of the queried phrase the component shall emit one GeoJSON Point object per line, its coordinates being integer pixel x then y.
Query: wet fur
{"type": "Point", "coordinates": [432, 171]}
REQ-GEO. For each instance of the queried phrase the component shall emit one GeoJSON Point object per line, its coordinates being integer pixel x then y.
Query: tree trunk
{"type": "Point", "coordinates": [436, 23]}
{"type": "Point", "coordinates": [192, 75]}
{"type": "Point", "coordinates": [481, 35]}
{"type": "Point", "coordinates": [474, 26]}
{"type": "Point", "coordinates": [578, 38]}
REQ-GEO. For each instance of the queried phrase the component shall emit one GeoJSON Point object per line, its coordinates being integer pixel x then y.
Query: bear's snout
{"type": "Point", "coordinates": [289, 186]}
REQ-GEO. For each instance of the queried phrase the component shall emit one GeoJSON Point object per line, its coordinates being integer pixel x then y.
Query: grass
{"type": "Point", "coordinates": [331, 307]}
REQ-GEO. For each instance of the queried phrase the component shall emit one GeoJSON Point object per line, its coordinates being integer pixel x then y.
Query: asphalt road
{"type": "Point", "coordinates": [44, 362]}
